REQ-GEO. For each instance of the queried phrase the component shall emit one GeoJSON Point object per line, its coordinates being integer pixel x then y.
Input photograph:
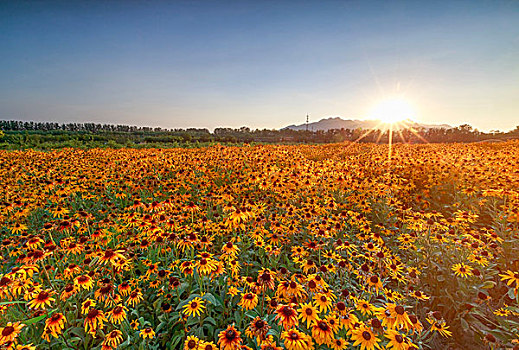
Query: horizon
{"type": "Point", "coordinates": [261, 65]}
{"type": "Point", "coordinates": [211, 130]}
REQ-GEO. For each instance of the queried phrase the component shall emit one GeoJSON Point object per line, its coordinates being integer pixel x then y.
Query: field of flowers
{"type": "Point", "coordinates": [261, 247]}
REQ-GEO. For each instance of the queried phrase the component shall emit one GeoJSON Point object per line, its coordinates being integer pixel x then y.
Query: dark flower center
{"type": "Point", "coordinates": [287, 311]}
{"type": "Point", "coordinates": [230, 334]}
{"type": "Point", "coordinates": [265, 277]}
{"type": "Point", "coordinates": [366, 335]}
{"type": "Point", "coordinates": [294, 336]}
{"type": "Point", "coordinates": [92, 314]}
{"type": "Point", "coordinates": [7, 331]}
{"type": "Point", "coordinates": [323, 326]}
{"type": "Point", "coordinates": [43, 296]}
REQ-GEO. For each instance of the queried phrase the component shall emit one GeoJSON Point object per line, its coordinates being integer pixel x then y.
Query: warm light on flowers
{"type": "Point", "coordinates": [311, 246]}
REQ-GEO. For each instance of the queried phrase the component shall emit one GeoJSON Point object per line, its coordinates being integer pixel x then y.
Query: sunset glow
{"type": "Point", "coordinates": [393, 110]}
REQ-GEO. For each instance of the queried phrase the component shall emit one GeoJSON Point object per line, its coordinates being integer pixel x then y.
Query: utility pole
{"type": "Point", "coordinates": [307, 122]}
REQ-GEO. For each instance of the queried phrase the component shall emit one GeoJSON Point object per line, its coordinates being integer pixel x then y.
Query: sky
{"type": "Point", "coordinates": [261, 64]}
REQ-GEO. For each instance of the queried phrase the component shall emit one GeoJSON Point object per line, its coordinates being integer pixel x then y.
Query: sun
{"type": "Point", "coordinates": [393, 110]}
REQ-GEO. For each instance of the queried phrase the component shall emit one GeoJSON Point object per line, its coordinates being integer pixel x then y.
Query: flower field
{"type": "Point", "coordinates": [261, 247]}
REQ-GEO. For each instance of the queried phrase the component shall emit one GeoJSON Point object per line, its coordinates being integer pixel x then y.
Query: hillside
{"type": "Point", "coordinates": [339, 123]}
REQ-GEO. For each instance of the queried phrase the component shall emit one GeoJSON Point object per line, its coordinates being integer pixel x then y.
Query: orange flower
{"type": "Point", "coordinates": [229, 339]}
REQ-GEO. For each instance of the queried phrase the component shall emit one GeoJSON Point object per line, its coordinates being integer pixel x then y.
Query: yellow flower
{"type": "Point", "coordinates": [248, 301]}
{"type": "Point", "coordinates": [194, 308]}
{"type": "Point", "coordinates": [462, 270]}
{"type": "Point", "coordinates": [147, 333]}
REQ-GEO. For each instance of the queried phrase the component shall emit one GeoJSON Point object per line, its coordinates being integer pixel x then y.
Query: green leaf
{"type": "Point", "coordinates": [488, 285]}
{"type": "Point", "coordinates": [210, 320]}
{"type": "Point", "coordinates": [34, 319]}
{"type": "Point", "coordinates": [13, 302]}
{"type": "Point", "coordinates": [211, 298]}
{"type": "Point", "coordinates": [464, 324]}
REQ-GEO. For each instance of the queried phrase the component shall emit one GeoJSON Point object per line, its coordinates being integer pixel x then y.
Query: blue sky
{"type": "Point", "coordinates": [262, 64]}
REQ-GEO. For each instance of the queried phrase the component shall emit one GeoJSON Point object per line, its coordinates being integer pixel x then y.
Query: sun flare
{"type": "Point", "coordinates": [393, 110]}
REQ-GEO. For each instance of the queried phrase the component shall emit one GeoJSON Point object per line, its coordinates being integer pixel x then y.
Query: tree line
{"type": "Point", "coordinates": [26, 134]}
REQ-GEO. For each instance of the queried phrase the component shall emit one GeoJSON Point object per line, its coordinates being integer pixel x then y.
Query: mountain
{"type": "Point", "coordinates": [339, 123]}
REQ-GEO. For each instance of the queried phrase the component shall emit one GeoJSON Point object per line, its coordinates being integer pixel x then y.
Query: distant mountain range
{"type": "Point", "coordinates": [339, 123]}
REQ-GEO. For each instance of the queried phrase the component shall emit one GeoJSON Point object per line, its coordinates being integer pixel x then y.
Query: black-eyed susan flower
{"type": "Point", "coordinates": [42, 300]}
{"type": "Point", "coordinates": [56, 323]}
{"type": "Point", "coordinates": [287, 316]}
{"type": "Point", "coordinates": [229, 338]}
{"type": "Point", "coordinates": [397, 341]}
{"type": "Point", "coordinates": [117, 314]}
{"type": "Point", "coordinates": [113, 339]}
{"type": "Point", "coordinates": [10, 332]}
{"type": "Point", "coordinates": [87, 305]}
{"type": "Point", "coordinates": [194, 308]}
{"type": "Point", "coordinates": [147, 333]}
{"type": "Point", "coordinates": [419, 295]}
{"type": "Point", "coordinates": [375, 282]}
{"type": "Point", "coordinates": [265, 279]}
{"type": "Point", "coordinates": [230, 250]}
{"type": "Point", "coordinates": [293, 339]}
{"type": "Point", "coordinates": [258, 328]}
{"type": "Point", "coordinates": [248, 301]}
{"type": "Point", "coordinates": [111, 256]}
{"type": "Point", "coordinates": [205, 345]}
{"type": "Point", "coordinates": [69, 291]}
{"type": "Point", "coordinates": [124, 288]}
{"type": "Point", "coordinates": [364, 337]}
{"type": "Point", "coordinates": [440, 327]}
{"type": "Point", "coordinates": [84, 282]}
{"type": "Point", "coordinates": [395, 316]}
{"type": "Point", "coordinates": [365, 307]}
{"type": "Point", "coordinates": [323, 301]}
{"type": "Point", "coordinates": [134, 324]}
{"type": "Point", "coordinates": [192, 342]}
{"type": "Point", "coordinates": [308, 313]}
{"type": "Point", "coordinates": [511, 278]}
{"type": "Point", "coordinates": [462, 270]}
{"type": "Point", "coordinates": [94, 320]}
{"type": "Point", "coordinates": [322, 332]}
{"type": "Point", "coordinates": [339, 344]}
{"type": "Point", "coordinates": [135, 297]}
